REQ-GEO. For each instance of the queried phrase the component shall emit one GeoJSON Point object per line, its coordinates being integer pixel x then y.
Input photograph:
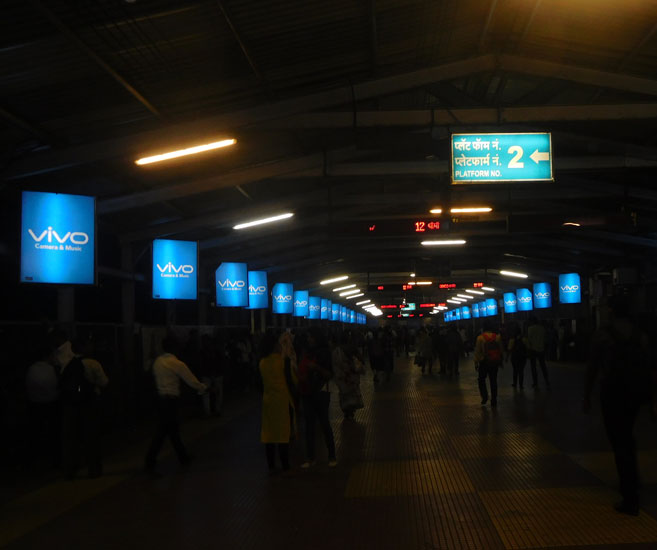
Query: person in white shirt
{"type": "Point", "coordinates": [168, 371]}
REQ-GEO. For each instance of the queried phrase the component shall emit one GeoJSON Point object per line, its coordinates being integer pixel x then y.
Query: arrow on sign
{"type": "Point", "coordinates": [538, 157]}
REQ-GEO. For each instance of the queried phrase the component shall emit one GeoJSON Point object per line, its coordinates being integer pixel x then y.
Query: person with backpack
{"type": "Point", "coordinates": [488, 359]}
{"type": "Point", "coordinates": [518, 353]}
{"type": "Point", "coordinates": [620, 356]}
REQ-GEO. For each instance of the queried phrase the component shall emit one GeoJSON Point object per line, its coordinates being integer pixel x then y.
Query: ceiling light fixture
{"type": "Point", "coordinates": [443, 242]}
{"type": "Point", "coordinates": [264, 220]}
{"type": "Point", "coordinates": [184, 152]}
{"type": "Point", "coordinates": [412, 275]}
{"type": "Point", "coordinates": [350, 292]}
{"type": "Point", "coordinates": [452, 301]}
{"type": "Point", "coordinates": [436, 211]}
{"type": "Point", "coordinates": [459, 300]}
{"type": "Point", "coordinates": [465, 296]}
{"type": "Point", "coordinates": [355, 296]}
{"type": "Point", "coordinates": [334, 280]}
{"type": "Point", "coordinates": [488, 289]}
{"type": "Point", "coordinates": [363, 302]}
{"type": "Point", "coordinates": [471, 210]}
{"type": "Point", "coordinates": [573, 224]}
{"type": "Point", "coordinates": [514, 274]}
{"type": "Point", "coordinates": [424, 283]}
{"type": "Point", "coordinates": [344, 288]}
{"type": "Point", "coordinates": [475, 292]}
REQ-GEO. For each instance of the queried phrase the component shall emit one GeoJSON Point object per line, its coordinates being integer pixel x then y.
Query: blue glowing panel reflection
{"type": "Point", "coordinates": [282, 297]}
{"type": "Point", "coordinates": [175, 264]}
{"type": "Point", "coordinates": [58, 239]}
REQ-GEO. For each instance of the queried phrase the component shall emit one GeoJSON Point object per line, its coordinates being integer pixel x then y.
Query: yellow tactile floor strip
{"type": "Point", "coordinates": [523, 444]}
{"type": "Point", "coordinates": [540, 518]}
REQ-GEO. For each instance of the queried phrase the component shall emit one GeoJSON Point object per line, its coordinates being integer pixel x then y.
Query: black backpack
{"type": "Point", "coordinates": [73, 384]}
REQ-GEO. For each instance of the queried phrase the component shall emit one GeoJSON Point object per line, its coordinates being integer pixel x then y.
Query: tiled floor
{"type": "Point", "coordinates": [423, 466]}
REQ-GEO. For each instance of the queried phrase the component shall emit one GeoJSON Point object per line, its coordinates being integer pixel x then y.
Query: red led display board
{"type": "Point", "coordinates": [477, 285]}
{"type": "Point", "coordinates": [424, 226]}
{"type": "Point", "coordinates": [389, 306]}
{"type": "Point", "coordinates": [447, 285]}
{"type": "Point", "coordinates": [427, 305]}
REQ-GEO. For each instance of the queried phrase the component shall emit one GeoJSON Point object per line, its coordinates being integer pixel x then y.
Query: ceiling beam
{"type": "Point", "coordinates": [82, 46]}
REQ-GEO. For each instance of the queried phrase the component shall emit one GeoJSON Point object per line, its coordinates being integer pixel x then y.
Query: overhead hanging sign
{"type": "Point", "coordinates": [314, 307]}
{"type": "Point", "coordinates": [301, 305]}
{"type": "Point", "coordinates": [232, 285]}
{"type": "Point", "coordinates": [475, 311]}
{"type": "Point", "coordinates": [510, 302]}
{"type": "Point", "coordinates": [175, 264]}
{"type": "Point", "coordinates": [485, 158]}
{"type": "Point", "coordinates": [343, 314]}
{"type": "Point", "coordinates": [570, 288]}
{"type": "Point", "coordinates": [325, 309]}
{"type": "Point", "coordinates": [58, 242]}
{"type": "Point", "coordinates": [524, 297]}
{"type": "Point", "coordinates": [465, 313]}
{"type": "Point", "coordinates": [491, 307]}
{"type": "Point", "coordinates": [282, 297]}
{"type": "Point", "coordinates": [258, 292]}
{"type": "Point", "coordinates": [335, 312]}
{"type": "Point", "coordinates": [542, 295]}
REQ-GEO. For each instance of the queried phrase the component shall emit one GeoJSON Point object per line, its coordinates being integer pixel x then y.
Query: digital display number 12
{"type": "Point", "coordinates": [422, 227]}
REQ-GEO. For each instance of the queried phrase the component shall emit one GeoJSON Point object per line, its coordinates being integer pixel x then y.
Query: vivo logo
{"type": "Point", "coordinates": [170, 268]}
{"type": "Point", "coordinates": [257, 289]}
{"type": "Point", "coordinates": [301, 303]}
{"type": "Point", "coordinates": [542, 295]}
{"type": "Point", "coordinates": [490, 306]}
{"type": "Point", "coordinates": [282, 298]}
{"type": "Point", "coordinates": [324, 309]}
{"type": "Point", "coordinates": [314, 308]}
{"type": "Point", "coordinates": [509, 302]}
{"type": "Point", "coordinates": [525, 299]}
{"type": "Point", "coordinates": [231, 285]}
{"type": "Point", "coordinates": [570, 288]}
{"type": "Point", "coordinates": [75, 237]}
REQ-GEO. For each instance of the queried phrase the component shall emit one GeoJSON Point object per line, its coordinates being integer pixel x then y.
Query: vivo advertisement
{"type": "Point", "coordinates": [258, 290]}
{"type": "Point", "coordinates": [325, 309]}
{"type": "Point", "coordinates": [465, 313]}
{"type": "Point", "coordinates": [542, 295]}
{"type": "Point", "coordinates": [491, 307]}
{"type": "Point", "coordinates": [335, 312]}
{"type": "Point", "coordinates": [570, 288]}
{"type": "Point", "coordinates": [174, 269]}
{"type": "Point", "coordinates": [343, 314]}
{"type": "Point", "coordinates": [58, 240]}
{"type": "Point", "coordinates": [282, 297]}
{"type": "Point", "coordinates": [475, 311]}
{"type": "Point", "coordinates": [510, 303]}
{"type": "Point", "coordinates": [232, 288]}
{"type": "Point", "coordinates": [352, 316]}
{"type": "Point", "coordinates": [483, 311]}
{"type": "Point", "coordinates": [524, 297]}
{"type": "Point", "coordinates": [301, 307]}
{"type": "Point", "coordinates": [314, 307]}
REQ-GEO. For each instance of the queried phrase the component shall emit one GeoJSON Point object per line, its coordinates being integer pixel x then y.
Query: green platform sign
{"type": "Point", "coordinates": [485, 158]}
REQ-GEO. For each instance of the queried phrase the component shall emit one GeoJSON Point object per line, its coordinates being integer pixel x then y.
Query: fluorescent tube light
{"type": "Point", "coordinates": [471, 210]}
{"type": "Point", "coordinates": [423, 283]}
{"type": "Point", "coordinates": [264, 220]}
{"type": "Point", "coordinates": [465, 296]}
{"type": "Point", "coordinates": [475, 292]}
{"type": "Point", "coordinates": [412, 275]}
{"type": "Point", "coordinates": [514, 274]}
{"type": "Point", "coordinates": [451, 301]}
{"type": "Point", "coordinates": [350, 292]}
{"type": "Point", "coordinates": [355, 296]}
{"type": "Point", "coordinates": [363, 302]}
{"type": "Point", "coordinates": [573, 224]}
{"type": "Point", "coordinates": [334, 280]}
{"type": "Point", "coordinates": [436, 211]}
{"type": "Point", "coordinates": [443, 243]}
{"type": "Point", "coordinates": [488, 289]}
{"type": "Point", "coordinates": [344, 288]}
{"type": "Point", "coordinates": [185, 152]}
{"type": "Point", "coordinates": [459, 300]}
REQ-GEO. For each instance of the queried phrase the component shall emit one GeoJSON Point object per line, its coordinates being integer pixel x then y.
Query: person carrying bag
{"type": "Point", "coordinates": [488, 358]}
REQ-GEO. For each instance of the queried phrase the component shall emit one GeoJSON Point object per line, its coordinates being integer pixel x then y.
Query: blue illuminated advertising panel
{"type": "Point", "coordinates": [335, 312]}
{"type": "Point", "coordinates": [282, 297]}
{"type": "Point", "coordinates": [175, 264]}
{"type": "Point", "coordinates": [232, 285]}
{"type": "Point", "coordinates": [524, 297]}
{"type": "Point", "coordinates": [491, 307]}
{"type": "Point", "coordinates": [542, 295]}
{"type": "Point", "coordinates": [501, 157]}
{"type": "Point", "coordinates": [301, 306]}
{"type": "Point", "coordinates": [446, 317]}
{"type": "Point", "coordinates": [510, 302]}
{"type": "Point", "coordinates": [325, 309]}
{"type": "Point", "coordinates": [570, 288]}
{"type": "Point", "coordinates": [465, 313]}
{"type": "Point", "coordinates": [352, 316]}
{"type": "Point", "coordinates": [457, 314]}
{"type": "Point", "coordinates": [343, 314]}
{"type": "Point", "coordinates": [475, 311]}
{"type": "Point", "coordinates": [314, 307]}
{"type": "Point", "coordinates": [258, 291]}
{"type": "Point", "coordinates": [58, 239]}
{"type": "Point", "coordinates": [483, 312]}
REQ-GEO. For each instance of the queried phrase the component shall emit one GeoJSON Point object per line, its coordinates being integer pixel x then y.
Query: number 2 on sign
{"type": "Point", "coordinates": [513, 163]}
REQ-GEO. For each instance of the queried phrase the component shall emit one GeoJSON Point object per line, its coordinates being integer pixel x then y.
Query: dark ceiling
{"type": "Point", "coordinates": [342, 111]}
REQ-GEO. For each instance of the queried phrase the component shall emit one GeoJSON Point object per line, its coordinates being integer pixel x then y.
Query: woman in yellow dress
{"type": "Point", "coordinates": [277, 368]}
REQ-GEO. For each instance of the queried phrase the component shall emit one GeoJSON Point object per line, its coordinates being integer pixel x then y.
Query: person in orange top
{"type": "Point", "coordinates": [488, 359]}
